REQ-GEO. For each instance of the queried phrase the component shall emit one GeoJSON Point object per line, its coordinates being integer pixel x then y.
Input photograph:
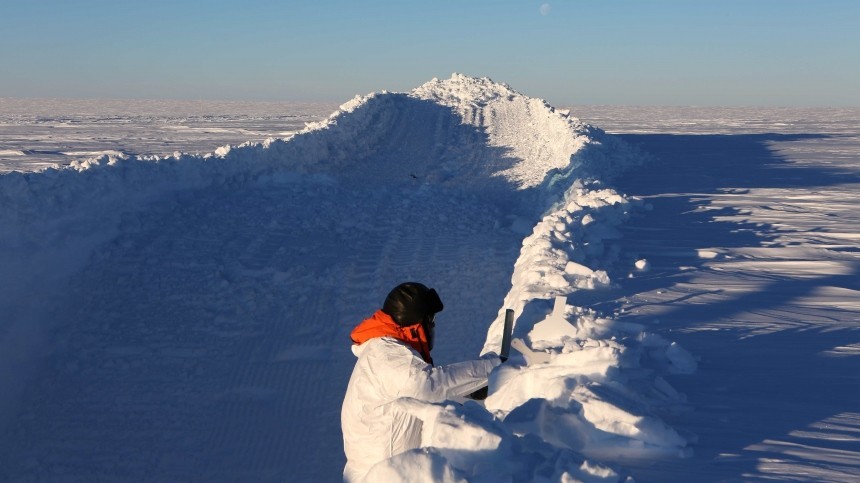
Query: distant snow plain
{"type": "Point", "coordinates": [37, 133]}
{"type": "Point", "coordinates": [741, 245]}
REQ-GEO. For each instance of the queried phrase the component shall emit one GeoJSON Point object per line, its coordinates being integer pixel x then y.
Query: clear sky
{"type": "Point", "coordinates": [634, 52]}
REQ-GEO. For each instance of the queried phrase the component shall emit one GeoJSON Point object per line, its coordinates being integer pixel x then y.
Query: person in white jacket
{"type": "Point", "coordinates": [393, 349]}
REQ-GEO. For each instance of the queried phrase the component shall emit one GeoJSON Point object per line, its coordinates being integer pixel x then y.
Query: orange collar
{"type": "Point", "coordinates": [381, 324]}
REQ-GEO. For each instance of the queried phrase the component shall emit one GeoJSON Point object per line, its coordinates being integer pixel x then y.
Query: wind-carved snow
{"type": "Point", "coordinates": [512, 120]}
{"type": "Point", "coordinates": [237, 269]}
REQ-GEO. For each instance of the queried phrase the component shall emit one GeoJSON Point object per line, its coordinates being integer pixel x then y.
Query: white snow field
{"type": "Point", "coordinates": [688, 284]}
{"type": "Point", "coordinates": [40, 133]}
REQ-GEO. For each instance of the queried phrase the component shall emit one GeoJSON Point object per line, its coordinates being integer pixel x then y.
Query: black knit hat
{"type": "Point", "coordinates": [410, 302]}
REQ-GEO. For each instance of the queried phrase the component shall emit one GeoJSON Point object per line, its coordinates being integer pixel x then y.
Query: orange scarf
{"type": "Point", "coordinates": [381, 324]}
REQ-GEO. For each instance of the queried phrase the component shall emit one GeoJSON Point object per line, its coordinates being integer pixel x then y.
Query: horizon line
{"type": "Point", "coordinates": [336, 102]}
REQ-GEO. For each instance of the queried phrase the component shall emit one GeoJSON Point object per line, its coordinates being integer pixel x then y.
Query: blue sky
{"type": "Point", "coordinates": [632, 52]}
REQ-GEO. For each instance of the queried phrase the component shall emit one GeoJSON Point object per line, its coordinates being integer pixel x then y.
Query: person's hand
{"type": "Point", "coordinates": [492, 356]}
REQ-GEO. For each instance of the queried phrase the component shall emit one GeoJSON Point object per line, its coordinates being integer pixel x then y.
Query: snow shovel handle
{"type": "Point", "coordinates": [506, 335]}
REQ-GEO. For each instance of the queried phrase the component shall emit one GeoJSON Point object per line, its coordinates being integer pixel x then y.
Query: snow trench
{"type": "Point", "coordinates": [590, 400]}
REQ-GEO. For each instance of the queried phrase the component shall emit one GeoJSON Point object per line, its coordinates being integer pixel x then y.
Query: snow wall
{"type": "Point", "coordinates": [594, 392]}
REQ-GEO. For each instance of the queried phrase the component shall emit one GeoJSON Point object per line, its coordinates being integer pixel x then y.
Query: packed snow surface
{"type": "Point", "coordinates": [186, 317]}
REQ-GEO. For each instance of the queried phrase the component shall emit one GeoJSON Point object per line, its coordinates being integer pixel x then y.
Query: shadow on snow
{"type": "Point", "coordinates": [750, 388]}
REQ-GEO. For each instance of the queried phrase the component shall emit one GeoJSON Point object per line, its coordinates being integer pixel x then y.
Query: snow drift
{"type": "Point", "coordinates": [594, 396]}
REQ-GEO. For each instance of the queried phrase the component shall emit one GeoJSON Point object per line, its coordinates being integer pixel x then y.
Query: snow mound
{"type": "Point", "coordinates": [463, 132]}
{"type": "Point", "coordinates": [596, 391]}
{"type": "Point", "coordinates": [465, 443]}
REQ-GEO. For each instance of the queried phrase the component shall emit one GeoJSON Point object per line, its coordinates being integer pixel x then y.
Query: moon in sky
{"type": "Point", "coordinates": [544, 9]}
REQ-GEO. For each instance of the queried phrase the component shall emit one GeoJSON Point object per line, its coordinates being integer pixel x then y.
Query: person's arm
{"type": "Point", "coordinates": [401, 372]}
{"type": "Point", "coordinates": [435, 384]}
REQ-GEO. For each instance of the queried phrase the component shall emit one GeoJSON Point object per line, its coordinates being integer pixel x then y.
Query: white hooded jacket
{"type": "Point", "coordinates": [388, 369]}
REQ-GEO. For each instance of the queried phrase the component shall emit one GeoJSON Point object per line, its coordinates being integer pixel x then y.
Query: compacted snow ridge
{"type": "Point", "coordinates": [186, 317]}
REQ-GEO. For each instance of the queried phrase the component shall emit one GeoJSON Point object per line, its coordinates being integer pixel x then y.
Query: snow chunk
{"type": "Point", "coordinates": [682, 361]}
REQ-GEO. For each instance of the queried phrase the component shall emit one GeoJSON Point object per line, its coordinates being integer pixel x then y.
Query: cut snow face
{"type": "Point", "coordinates": [210, 297]}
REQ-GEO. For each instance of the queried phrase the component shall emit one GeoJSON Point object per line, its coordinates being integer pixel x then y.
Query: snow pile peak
{"type": "Point", "coordinates": [464, 90]}
{"type": "Point", "coordinates": [463, 131]}
{"type": "Point", "coordinates": [536, 138]}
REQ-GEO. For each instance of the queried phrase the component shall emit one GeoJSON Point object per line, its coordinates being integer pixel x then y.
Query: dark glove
{"type": "Point", "coordinates": [493, 355]}
{"type": "Point", "coordinates": [480, 394]}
